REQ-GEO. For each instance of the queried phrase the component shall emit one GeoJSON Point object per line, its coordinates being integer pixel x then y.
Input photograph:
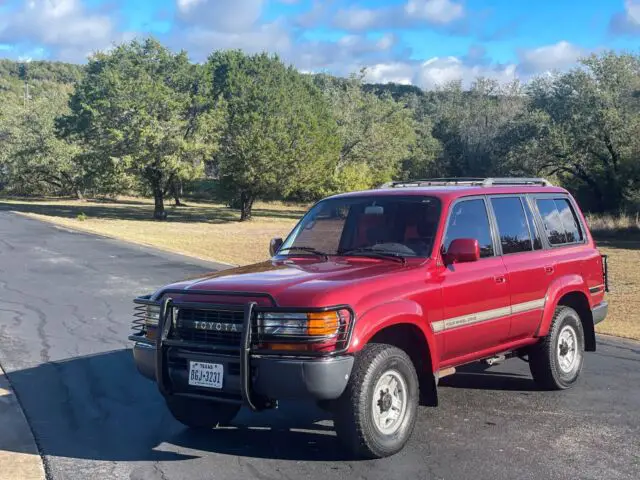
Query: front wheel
{"type": "Point", "coordinates": [201, 414]}
{"type": "Point", "coordinates": [376, 414]}
{"type": "Point", "coordinates": [556, 362]}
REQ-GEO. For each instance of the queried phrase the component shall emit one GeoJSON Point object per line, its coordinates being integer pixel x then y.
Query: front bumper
{"type": "Point", "coordinates": [271, 377]}
{"type": "Point", "coordinates": [599, 312]}
{"type": "Point", "coordinates": [252, 376]}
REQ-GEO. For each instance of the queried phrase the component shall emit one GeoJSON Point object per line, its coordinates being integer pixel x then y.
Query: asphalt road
{"type": "Point", "coordinates": [65, 311]}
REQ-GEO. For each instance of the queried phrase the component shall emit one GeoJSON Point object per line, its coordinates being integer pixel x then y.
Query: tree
{"type": "Point", "coordinates": [34, 160]}
{"type": "Point", "coordinates": [279, 137]}
{"type": "Point", "coordinates": [422, 160]}
{"type": "Point", "coordinates": [139, 110]}
{"type": "Point", "coordinates": [376, 133]}
{"type": "Point", "coordinates": [582, 127]}
{"type": "Point", "coordinates": [467, 124]}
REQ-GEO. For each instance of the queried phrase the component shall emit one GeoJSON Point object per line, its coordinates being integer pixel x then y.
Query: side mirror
{"type": "Point", "coordinates": [274, 246]}
{"type": "Point", "coordinates": [462, 250]}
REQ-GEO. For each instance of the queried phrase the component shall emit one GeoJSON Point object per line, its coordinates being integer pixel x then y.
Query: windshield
{"type": "Point", "coordinates": [391, 224]}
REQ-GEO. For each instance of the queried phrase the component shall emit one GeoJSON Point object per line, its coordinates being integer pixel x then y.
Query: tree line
{"type": "Point", "coordinates": [143, 119]}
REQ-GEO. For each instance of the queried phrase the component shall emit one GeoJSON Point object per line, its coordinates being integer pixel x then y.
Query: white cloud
{"type": "Point", "coordinates": [359, 18]}
{"type": "Point", "coordinates": [348, 55]}
{"type": "Point", "coordinates": [63, 26]}
{"type": "Point", "coordinates": [200, 41]}
{"type": "Point", "coordinates": [220, 15]}
{"type": "Point", "coordinates": [558, 56]}
{"type": "Point", "coordinates": [628, 21]}
{"type": "Point", "coordinates": [413, 12]}
{"type": "Point", "coordinates": [437, 72]}
{"type": "Point", "coordinates": [387, 41]}
{"type": "Point", "coordinates": [396, 72]}
{"type": "Point", "coordinates": [632, 9]}
{"type": "Point", "coordinates": [435, 11]}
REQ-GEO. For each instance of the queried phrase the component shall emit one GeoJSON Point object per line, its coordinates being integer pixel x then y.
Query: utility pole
{"type": "Point", "coordinates": [26, 94]}
{"type": "Point", "coordinates": [25, 76]}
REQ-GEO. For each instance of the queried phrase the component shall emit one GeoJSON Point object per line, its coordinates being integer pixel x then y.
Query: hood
{"type": "Point", "coordinates": [309, 282]}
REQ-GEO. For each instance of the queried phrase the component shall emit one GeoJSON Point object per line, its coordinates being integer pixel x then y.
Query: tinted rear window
{"type": "Point", "coordinates": [560, 222]}
{"type": "Point", "coordinates": [512, 225]}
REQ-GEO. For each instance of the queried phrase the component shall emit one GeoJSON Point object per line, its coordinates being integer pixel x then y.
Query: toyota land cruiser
{"type": "Point", "coordinates": [373, 297]}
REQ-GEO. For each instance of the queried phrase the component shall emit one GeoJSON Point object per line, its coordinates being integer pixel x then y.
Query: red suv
{"type": "Point", "coordinates": [373, 297]}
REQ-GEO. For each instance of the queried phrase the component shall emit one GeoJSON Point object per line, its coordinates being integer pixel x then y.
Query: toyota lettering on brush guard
{"type": "Point", "coordinates": [373, 297]}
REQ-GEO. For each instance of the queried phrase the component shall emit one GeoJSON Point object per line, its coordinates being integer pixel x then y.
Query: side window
{"type": "Point", "coordinates": [569, 220]}
{"type": "Point", "coordinates": [469, 219]}
{"type": "Point", "coordinates": [559, 221]}
{"type": "Point", "coordinates": [512, 225]}
{"type": "Point", "coordinates": [537, 243]}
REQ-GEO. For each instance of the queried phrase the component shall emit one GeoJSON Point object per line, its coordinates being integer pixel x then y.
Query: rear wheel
{"type": "Point", "coordinates": [201, 414]}
{"type": "Point", "coordinates": [556, 362]}
{"type": "Point", "coordinates": [376, 414]}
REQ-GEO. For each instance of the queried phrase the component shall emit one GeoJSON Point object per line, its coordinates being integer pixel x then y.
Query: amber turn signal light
{"type": "Point", "coordinates": [322, 323]}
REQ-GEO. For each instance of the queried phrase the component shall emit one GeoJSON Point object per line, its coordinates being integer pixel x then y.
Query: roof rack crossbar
{"type": "Point", "coordinates": [481, 182]}
{"type": "Point", "coordinates": [517, 181]}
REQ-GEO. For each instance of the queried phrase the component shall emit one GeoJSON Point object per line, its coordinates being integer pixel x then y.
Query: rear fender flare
{"type": "Point", "coordinates": [559, 288]}
{"type": "Point", "coordinates": [389, 314]}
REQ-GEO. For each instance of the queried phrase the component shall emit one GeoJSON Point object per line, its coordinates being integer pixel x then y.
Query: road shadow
{"type": "Point", "coordinates": [141, 211]}
{"type": "Point", "coordinates": [98, 407]}
{"type": "Point", "coordinates": [479, 376]}
{"type": "Point", "coordinates": [621, 241]}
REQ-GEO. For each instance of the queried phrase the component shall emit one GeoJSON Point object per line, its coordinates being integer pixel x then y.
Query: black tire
{"type": "Point", "coordinates": [354, 411]}
{"type": "Point", "coordinates": [548, 370]}
{"type": "Point", "coordinates": [201, 414]}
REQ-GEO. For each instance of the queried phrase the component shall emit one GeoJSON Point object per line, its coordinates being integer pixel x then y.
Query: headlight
{"type": "Point", "coordinates": [284, 323]}
{"type": "Point", "coordinates": [152, 317]}
{"type": "Point", "coordinates": [300, 324]}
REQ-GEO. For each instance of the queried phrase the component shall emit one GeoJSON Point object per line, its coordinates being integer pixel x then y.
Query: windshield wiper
{"type": "Point", "coordinates": [310, 250]}
{"type": "Point", "coordinates": [373, 253]}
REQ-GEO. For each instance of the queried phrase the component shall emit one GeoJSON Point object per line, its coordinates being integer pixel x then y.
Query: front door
{"type": "Point", "coordinates": [476, 294]}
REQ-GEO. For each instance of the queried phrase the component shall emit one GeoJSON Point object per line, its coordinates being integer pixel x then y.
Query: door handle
{"type": "Point", "coordinates": [548, 269]}
{"type": "Point", "coordinates": [500, 279]}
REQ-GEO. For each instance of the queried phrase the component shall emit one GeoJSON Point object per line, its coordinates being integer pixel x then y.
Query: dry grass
{"type": "Point", "coordinates": [624, 281]}
{"type": "Point", "coordinates": [203, 230]}
{"type": "Point", "coordinates": [213, 232]}
{"type": "Point", "coordinates": [607, 225]}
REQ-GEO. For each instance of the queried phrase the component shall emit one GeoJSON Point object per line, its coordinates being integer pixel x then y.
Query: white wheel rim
{"type": "Point", "coordinates": [567, 349]}
{"type": "Point", "coordinates": [389, 403]}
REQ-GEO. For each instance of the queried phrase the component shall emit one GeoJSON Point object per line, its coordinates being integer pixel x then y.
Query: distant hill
{"type": "Point", "coordinates": [41, 70]}
{"type": "Point", "coordinates": [396, 90]}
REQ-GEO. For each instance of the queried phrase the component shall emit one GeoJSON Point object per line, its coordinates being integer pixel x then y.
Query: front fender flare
{"type": "Point", "coordinates": [558, 288]}
{"type": "Point", "coordinates": [390, 314]}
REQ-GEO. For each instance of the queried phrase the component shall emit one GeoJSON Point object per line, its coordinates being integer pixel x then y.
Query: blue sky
{"type": "Point", "coordinates": [424, 42]}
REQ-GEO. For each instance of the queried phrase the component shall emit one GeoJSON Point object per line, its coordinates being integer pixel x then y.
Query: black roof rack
{"type": "Point", "coordinates": [480, 182]}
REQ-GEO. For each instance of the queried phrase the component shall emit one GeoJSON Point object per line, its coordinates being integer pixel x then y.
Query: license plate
{"type": "Point", "coordinates": [203, 374]}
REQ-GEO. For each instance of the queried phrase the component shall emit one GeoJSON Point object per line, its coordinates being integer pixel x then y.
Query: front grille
{"type": "Point", "coordinates": [215, 327]}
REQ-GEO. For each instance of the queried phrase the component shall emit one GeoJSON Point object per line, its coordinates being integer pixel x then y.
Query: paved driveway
{"type": "Point", "coordinates": [65, 309]}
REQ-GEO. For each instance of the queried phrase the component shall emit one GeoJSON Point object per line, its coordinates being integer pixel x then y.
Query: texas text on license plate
{"type": "Point", "coordinates": [203, 374]}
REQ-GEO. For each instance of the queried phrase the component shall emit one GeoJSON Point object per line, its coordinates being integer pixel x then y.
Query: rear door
{"type": "Point", "coordinates": [475, 294]}
{"type": "Point", "coordinates": [522, 252]}
{"type": "Point", "coordinates": [565, 237]}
